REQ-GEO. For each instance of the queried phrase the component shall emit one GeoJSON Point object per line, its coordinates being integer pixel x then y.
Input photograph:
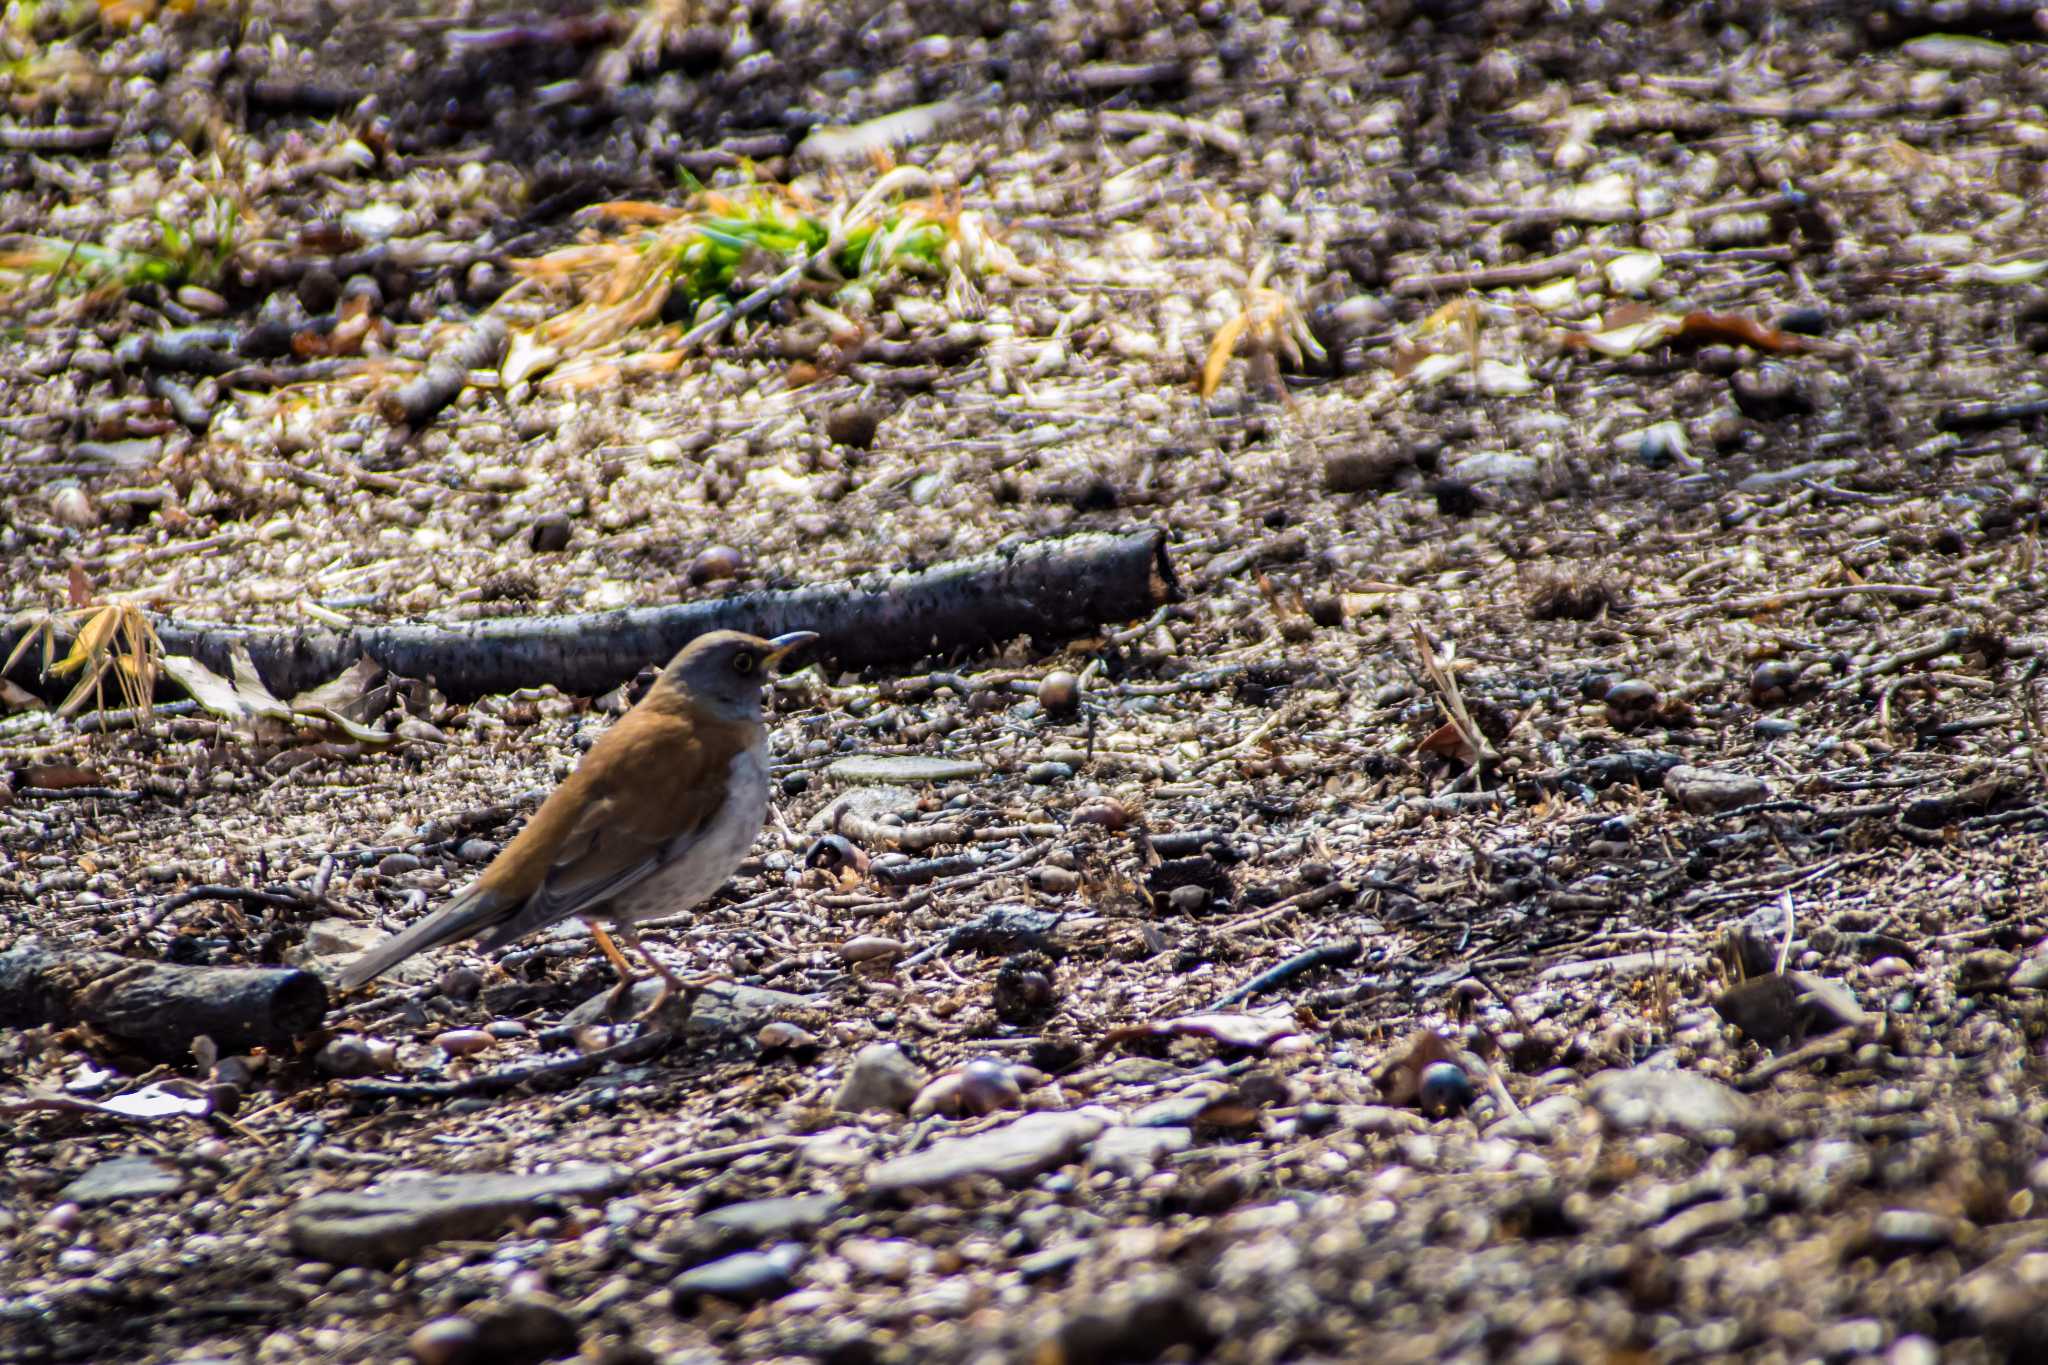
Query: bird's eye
{"type": "Point", "coordinates": [743, 664]}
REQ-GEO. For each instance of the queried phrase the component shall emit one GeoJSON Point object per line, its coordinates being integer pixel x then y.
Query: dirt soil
{"type": "Point", "coordinates": [1676, 1001]}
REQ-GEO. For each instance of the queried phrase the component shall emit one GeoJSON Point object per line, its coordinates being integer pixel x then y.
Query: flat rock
{"type": "Point", "coordinates": [1016, 1151]}
{"type": "Point", "coordinates": [1704, 791]}
{"type": "Point", "coordinates": [743, 1226]}
{"type": "Point", "coordinates": [722, 1011]}
{"type": "Point", "coordinates": [1136, 1151]}
{"type": "Point", "coordinates": [334, 936]}
{"type": "Point", "coordinates": [125, 1177]}
{"type": "Point", "coordinates": [909, 770]}
{"type": "Point", "coordinates": [386, 1225]}
{"type": "Point", "coordinates": [1672, 1101]}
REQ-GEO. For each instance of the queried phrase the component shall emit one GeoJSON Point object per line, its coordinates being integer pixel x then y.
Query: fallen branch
{"type": "Point", "coordinates": [157, 1008]}
{"type": "Point", "coordinates": [420, 399]}
{"type": "Point", "coordinates": [508, 1078]}
{"type": "Point", "coordinates": [1048, 588]}
{"type": "Point", "coordinates": [1341, 953]}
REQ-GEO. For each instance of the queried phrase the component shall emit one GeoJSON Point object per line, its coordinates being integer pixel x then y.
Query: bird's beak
{"type": "Point", "coordinates": [795, 639]}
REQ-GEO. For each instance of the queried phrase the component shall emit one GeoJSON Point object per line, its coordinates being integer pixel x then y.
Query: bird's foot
{"type": "Point", "coordinates": [679, 998]}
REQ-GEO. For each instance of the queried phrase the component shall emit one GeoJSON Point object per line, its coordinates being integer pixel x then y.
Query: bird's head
{"type": "Point", "coordinates": [724, 670]}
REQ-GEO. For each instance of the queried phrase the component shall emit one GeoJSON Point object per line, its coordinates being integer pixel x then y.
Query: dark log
{"type": "Point", "coordinates": [156, 1008]}
{"type": "Point", "coordinates": [1050, 589]}
{"type": "Point", "coordinates": [420, 399]}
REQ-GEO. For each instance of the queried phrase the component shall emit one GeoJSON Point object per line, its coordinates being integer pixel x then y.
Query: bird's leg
{"type": "Point", "coordinates": [670, 982]}
{"type": "Point", "coordinates": [622, 994]}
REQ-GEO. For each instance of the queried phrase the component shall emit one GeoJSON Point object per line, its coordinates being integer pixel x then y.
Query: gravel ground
{"type": "Point", "coordinates": [1644, 388]}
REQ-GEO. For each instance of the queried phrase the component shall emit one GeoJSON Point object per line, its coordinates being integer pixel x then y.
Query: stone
{"type": "Point", "coordinates": [1136, 1152]}
{"type": "Point", "coordinates": [1785, 1010]}
{"type": "Point", "coordinates": [523, 1329]}
{"type": "Point", "coordinates": [1672, 1101]}
{"type": "Point", "coordinates": [881, 1077]}
{"type": "Point", "coordinates": [1016, 1151]}
{"type": "Point", "coordinates": [909, 770]}
{"type": "Point", "coordinates": [721, 1011]}
{"type": "Point", "coordinates": [744, 1277]}
{"type": "Point", "coordinates": [1704, 791]}
{"type": "Point", "coordinates": [767, 1220]}
{"type": "Point", "coordinates": [124, 1177]}
{"type": "Point", "coordinates": [334, 937]}
{"type": "Point", "coordinates": [386, 1225]}
{"type": "Point", "coordinates": [443, 1341]}
{"type": "Point", "coordinates": [550, 533]}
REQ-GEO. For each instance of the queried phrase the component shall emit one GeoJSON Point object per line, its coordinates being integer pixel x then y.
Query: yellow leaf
{"type": "Point", "coordinates": [92, 641]}
{"type": "Point", "coordinates": [1220, 351]}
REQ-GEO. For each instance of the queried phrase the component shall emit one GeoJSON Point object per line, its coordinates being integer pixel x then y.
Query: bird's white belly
{"type": "Point", "coordinates": [698, 871]}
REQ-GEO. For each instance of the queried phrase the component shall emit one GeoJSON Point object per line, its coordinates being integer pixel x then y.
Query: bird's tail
{"type": "Point", "coordinates": [469, 912]}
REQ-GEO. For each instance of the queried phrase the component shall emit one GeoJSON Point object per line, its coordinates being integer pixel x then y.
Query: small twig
{"type": "Point", "coordinates": [1785, 946]}
{"type": "Point", "coordinates": [754, 302]}
{"type": "Point", "coordinates": [1493, 277]}
{"type": "Point", "coordinates": [292, 900]}
{"type": "Point", "coordinates": [663, 1160]}
{"type": "Point", "coordinates": [1913, 592]}
{"type": "Point", "coordinates": [1834, 1045]}
{"type": "Point", "coordinates": [1342, 953]}
{"type": "Point", "coordinates": [518, 1074]}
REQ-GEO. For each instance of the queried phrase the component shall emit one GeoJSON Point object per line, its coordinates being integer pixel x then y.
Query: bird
{"type": "Point", "coordinates": [654, 819]}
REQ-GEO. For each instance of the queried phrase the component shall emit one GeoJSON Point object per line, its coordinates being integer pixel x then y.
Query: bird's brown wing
{"type": "Point", "coordinates": [653, 781]}
{"type": "Point", "coordinates": [632, 818]}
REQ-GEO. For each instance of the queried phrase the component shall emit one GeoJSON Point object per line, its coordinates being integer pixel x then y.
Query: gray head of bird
{"type": "Point", "coordinates": [724, 670]}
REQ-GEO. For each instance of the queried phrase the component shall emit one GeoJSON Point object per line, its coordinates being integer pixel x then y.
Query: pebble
{"type": "Point", "coordinates": [397, 864]}
{"type": "Point", "coordinates": [464, 1042]}
{"type": "Point", "coordinates": [881, 1077]}
{"type": "Point", "coordinates": [1443, 1089]}
{"type": "Point", "coordinates": [1046, 774]}
{"type": "Point", "coordinates": [1104, 811]}
{"type": "Point", "coordinates": [980, 1087]}
{"type": "Point", "coordinates": [1704, 791]}
{"type": "Point", "coordinates": [443, 1341]}
{"type": "Point", "coordinates": [524, 1328]}
{"type": "Point", "coordinates": [506, 1028]}
{"type": "Point", "coordinates": [70, 505]}
{"type": "Point", "coordinates": [1769, 391]}
{"type": "Point", "coordinates": [713, 564]}
{"type": "Point", "coordinates": [549, 533]}
{"type": "Point", "coordinates": [1137, 1152]}
{"type": "Point", "coordinates": [1059, 693]}
{"type": "Point", "coordinates": [853, 425]}
{"type": "Point", "coordinates": [781, 1035]}
{"type": "Point", "coordinates": [1672, 1101]}
{"type": "Point", "coordinates": [1909, 1231]}
{"type": "Point", "coordinates": [350, 1054]}
{"type": "Point", "coordinates": [754, 1221]}
{"type": "Point", "coordinates": [743, 1277]}
{"type": "Point", "coordinates": [461, 983]}
{"type": "Point", "coordinates": [1056, 881]}
{"type": "Point", "coordinates": [870, 948]}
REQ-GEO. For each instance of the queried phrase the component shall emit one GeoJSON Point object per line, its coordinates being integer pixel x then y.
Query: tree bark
{"type": "Point", "coordinates": [1050, 589]}
{"type": "Point", "coordinates": [155, 1008]}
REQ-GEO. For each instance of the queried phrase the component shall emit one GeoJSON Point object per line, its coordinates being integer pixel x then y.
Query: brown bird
{"type": "Point", "coordinates": [654, 819]}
